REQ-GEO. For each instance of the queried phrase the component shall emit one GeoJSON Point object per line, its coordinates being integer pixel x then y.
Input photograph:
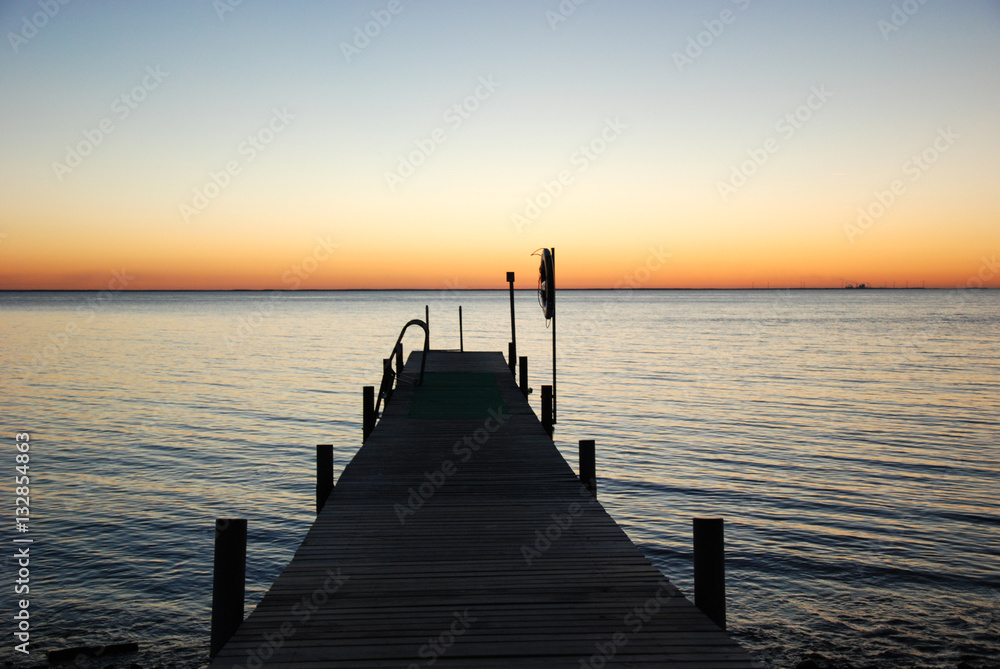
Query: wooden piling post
{"type": "Point", "coordinates": [228, 580]}
{"type": "Point", "coordinates": [523, 379]}
{"type": "Point", "coordinates": [547, 409]}
{"type": "Point", "coordinates": [461, 335]}
{"type": "Point", "coordinates": [710, 569]}
{"type": "Point", "coordinates": [399, 358]}
{"type": "Point", "coordinates": [324, 474]}
{"type": "Point", "coordinates": [387, 375]}
{"type": "Point", "coordinates": [511, 359]}
{"type": "Point", "coordinates": [427, 322]}
{"type": "Point", "coordinates": [588, 465]}
{"type": "Point", "coordinates": [368, 421]}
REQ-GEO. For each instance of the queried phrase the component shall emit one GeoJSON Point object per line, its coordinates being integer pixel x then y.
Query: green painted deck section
{"type": "Point", "coordinates": [458, 536]}
{"type": "Point", "coordinates": [456, 395]}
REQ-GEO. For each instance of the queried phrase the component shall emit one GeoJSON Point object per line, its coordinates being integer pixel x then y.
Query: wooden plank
{"type": "Point", "coordinates": [458, 536]}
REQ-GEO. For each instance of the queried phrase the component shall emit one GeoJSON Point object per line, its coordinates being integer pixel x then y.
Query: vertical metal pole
{"type": "Point", "coordinates": [710, 569]}
{"type": "Point", "coordinates": [513, 329]}
{"type": "Point", "coordinates": [554, 310]}
{"type": "Point", "coordinates": [427, 322]}
{"type": "Point", "coordinates": [588, 466]}
{"type": "Point", "coordinates": [368, 420]}
{"type": "Point", "coordinates": [523, 360]}
{"type": "Point", "coordinates": [547, 409]}
{"type": "Point", "coordinates": [228, 581]}
{"type": "Point", "coordinates": [461, 336]}
{"type": "Point", "coordinates": [324, 474]}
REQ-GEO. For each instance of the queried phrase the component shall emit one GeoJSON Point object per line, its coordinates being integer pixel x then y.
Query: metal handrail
{"type": "Point", "coordinates": [388, 376]}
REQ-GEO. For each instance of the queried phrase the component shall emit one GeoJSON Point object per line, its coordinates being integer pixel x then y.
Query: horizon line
{"type": "Point", "coordinates": [463, 290]}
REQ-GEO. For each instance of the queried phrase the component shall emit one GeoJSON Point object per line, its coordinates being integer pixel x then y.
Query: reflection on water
{"type": "Point", "coordinates": [849, 439]}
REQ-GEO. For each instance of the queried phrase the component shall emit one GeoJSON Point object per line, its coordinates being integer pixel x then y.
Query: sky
{"type": "Point", "coordinates": [436, 144]}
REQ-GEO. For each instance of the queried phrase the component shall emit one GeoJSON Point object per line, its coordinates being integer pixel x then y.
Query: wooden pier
{"type": "Point", "coordinates": [458, 536]}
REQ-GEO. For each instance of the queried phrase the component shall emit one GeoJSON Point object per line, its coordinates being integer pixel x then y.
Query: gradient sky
{"type": "Point", "coordinates": [312, 205]}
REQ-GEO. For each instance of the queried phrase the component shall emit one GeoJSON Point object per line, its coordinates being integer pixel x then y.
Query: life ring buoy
{"type": "Point", "coordinates": [547, 285]}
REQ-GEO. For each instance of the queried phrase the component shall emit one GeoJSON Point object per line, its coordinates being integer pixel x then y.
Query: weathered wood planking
{"type": "Point", "coordinates": [464, 575]}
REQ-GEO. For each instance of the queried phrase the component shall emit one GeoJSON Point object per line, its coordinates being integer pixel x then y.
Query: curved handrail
{"type": "Point", "coordinates": [388, 375]}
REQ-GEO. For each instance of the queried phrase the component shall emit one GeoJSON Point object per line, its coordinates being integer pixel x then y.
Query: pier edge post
{"type": "Point", "coordinates": [523, 378]}
{"type": "Point", "coordinates": [228, 580]}
{"type": "Point", "coordinates": [399, 358]}
{"type": "Point", "coordinates": [588, 465]}
{"type": "Point", "coordinates": [324, 474]}
{"type": "Point", "coordinates": [461, 333]}
{"type": "Point", "coordinates": [512, 357]}
{"type": "Point", "coordinates": [710, 569]}
{"type": "Point", "coordinates": [387, 377]}
{"type": "Point", "coordinates": [547, 409]}
{"type": "Point", "coordinates": [368, 420]}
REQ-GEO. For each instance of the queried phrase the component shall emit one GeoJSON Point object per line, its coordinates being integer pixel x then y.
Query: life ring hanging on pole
{"type": "Point", "coordinates": [547, 300]}
{"type": "Point", "coordinates": [546, 284]}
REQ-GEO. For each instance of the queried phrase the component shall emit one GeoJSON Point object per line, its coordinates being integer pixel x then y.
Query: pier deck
{"type": "Point", "coordinates": [458, 536]}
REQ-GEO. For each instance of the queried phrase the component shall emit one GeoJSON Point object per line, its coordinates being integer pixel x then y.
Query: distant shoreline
{"type": "Point", "coordinates": [460, 290]}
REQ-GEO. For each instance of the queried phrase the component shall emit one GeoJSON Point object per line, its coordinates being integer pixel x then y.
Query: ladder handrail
{"type": "Point", "coordinates": [388, 376]}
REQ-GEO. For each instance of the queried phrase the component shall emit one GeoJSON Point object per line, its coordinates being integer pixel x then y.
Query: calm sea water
{"type": "Point", "coordinates": [849, 438]}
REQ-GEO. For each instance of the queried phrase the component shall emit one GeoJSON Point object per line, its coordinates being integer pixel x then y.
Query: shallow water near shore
{"type": "Point", "coordinates": [848, 438]}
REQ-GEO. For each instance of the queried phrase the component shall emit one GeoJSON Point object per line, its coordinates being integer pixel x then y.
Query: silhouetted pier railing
{"type": "Point", "coordinates": [458, 536]}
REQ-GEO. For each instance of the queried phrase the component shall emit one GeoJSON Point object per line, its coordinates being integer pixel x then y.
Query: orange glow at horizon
{"type": "Point", "coordinates": [336, 267]}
